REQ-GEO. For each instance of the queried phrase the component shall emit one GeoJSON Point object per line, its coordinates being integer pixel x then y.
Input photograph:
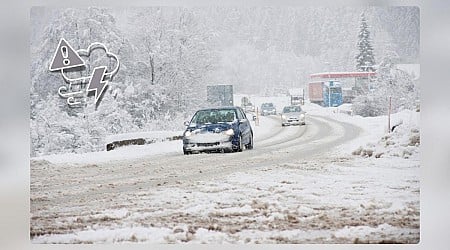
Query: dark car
{"type": "Point", "coordinates": [268, 109]}
{"type": "Point", "coordinates": [224, 129]}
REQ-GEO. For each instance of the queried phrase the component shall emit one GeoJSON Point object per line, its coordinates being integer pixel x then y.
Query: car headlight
{"type": "Point", "coordinates": [302, 116]}
{"type": "Point", "coordinates": [283, 117]}
{"type": "Point", "coordinates": [229, 132]}
{"type": "Point", "coordinates": [187, 133]}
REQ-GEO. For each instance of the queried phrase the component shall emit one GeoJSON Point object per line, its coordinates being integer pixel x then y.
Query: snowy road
{"type": "Point", "coordinates": [293, 187]}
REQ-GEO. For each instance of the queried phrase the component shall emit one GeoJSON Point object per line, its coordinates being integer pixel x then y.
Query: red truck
{"type": "Point", "coordinates": [316, 92]}
{"type": "Point", "coordinates": [326, 93]}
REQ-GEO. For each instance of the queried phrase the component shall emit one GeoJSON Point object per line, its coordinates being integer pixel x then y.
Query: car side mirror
{"type": "Point", "coordinates": [186, 123]}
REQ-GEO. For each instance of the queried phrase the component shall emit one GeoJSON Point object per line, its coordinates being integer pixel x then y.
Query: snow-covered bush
{"type": "Point", "coordinates": [391, 82]}
{"type": "Point", "coordinates": [370, 105]}
{"type": "Point", "coordinates": [403, 142]}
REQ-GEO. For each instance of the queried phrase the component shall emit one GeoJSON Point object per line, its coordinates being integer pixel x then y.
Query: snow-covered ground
{"type": "Point", "coordinates": [345, 195]}
{"type": "Point", "coordinates": [120, 153]}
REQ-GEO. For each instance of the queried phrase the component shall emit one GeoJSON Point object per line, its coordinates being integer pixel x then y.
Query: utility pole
{"type": "Point", "coordinates": [257, 117]}
{"type": "Point", "coordinates": [389, 114]}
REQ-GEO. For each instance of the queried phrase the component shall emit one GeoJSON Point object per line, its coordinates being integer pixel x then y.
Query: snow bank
{"type": "Point", "coordinates": [121, 153]}
{"type": "Point", "coordinates": [375, 140]}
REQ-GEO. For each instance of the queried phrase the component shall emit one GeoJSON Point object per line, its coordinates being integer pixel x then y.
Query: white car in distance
{"type": "Point", "coordinates": [293, 115]}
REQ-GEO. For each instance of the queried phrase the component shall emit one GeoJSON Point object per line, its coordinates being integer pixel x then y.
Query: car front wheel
{"type": "Point", "coordinates": [250, 144]}
{"type": "Point", "coordinates": [240, 145]}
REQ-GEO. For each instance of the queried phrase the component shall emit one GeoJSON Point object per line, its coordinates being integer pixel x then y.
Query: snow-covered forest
{"type": "Point", "coordinates": [169, 55]}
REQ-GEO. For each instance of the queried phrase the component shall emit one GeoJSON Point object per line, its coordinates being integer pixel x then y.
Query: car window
{"type": "Point", "coordinates": [290, 109]}
{"type": "Point", "coordinates": [240, 114]}
{"type": "Point", "coordinates": [213, 116]}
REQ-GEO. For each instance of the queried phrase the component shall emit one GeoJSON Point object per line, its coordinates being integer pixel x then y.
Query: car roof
{"type": "Point", "coordinates": [226, 107]}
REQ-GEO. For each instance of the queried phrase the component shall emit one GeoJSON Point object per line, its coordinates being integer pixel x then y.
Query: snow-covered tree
{"type": "Point", "coordinates": [175, 55]}
{"type": "Point", "coordinates": [393, 83]}
{"type": "Point", "coordinates": [80, 129]}
{"type": "Point", "coordinates": [365, 59]}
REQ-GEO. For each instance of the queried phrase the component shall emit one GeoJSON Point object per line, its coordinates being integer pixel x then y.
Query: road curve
{"type": "Point", "coordinates": [63, 183]}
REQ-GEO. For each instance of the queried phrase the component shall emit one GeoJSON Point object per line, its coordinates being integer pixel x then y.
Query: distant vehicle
{"type": "Point", "coordinates": [224, 129]}
{"type": "Point", "coordinates": [249, 107]}
{"type": "Point", "coordinates": [360, 81]}
{"type": "Point", "coordinates": [246, 105]}
{"type": "Point", "coordinates": [325, 93]}
{"type": "Point", "coordinates": [268, 109]}
{"type": "Point", "coordinates": [348, 94]}
{"type": "Point", "coordinates": [219, 95]}
{"type": "Point", "coordinates": [292, 115]}
{"type": "Point", "coordinates": [297, 96]}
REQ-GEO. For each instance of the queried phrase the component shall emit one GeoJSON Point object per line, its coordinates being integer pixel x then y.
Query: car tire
{"type": "Point", "coordinates": [240, 145]}
{"type": "Point", "coordinates": [250, 144]}
{"type": "Point", "coordinates": [186, 152]}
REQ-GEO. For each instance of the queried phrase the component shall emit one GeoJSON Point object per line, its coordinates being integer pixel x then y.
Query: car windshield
{"type": "Point", "coordinates": [212, 116]}
{"type": "Point", "coordinates": [290, 109]}
{"type": "Point", "coordinates": [267, 105]}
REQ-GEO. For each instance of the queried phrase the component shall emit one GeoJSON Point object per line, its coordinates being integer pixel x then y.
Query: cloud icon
{"type": "Point", "coordinates": [87, 53]}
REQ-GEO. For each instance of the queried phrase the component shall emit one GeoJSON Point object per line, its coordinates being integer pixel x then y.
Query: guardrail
{"type": "Point", "coordinates": [140, 141]}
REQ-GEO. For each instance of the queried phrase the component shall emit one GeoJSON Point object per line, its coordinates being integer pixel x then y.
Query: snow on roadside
{"type": "Point", "coordinates": [160, 146]}
{"type": "Point", "coordinates": [121, 153]}
{"type": "Point", "coordinates": [402, 142]}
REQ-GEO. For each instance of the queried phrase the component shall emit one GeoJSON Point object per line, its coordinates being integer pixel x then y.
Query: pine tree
{"type": "Point", "coordinates": [365, 60]}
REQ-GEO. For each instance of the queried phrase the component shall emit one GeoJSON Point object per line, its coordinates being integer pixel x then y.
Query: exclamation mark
{"type": "Point", "coordinates": [65, 54]}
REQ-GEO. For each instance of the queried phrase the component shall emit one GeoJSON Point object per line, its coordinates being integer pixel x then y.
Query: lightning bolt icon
{"type": "Point", "coordinates": [96, 82]}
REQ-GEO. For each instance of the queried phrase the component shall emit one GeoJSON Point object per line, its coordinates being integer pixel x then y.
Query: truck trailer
{"type": "Point", "coordinates": [325, 93]}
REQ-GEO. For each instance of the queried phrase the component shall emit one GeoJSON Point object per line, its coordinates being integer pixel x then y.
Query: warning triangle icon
{"type": "Point", "coordinates": [65, 57]}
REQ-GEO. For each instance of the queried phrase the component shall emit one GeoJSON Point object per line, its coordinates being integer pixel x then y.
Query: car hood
{"type": "Point", "coordinates": [293, 114]}
{"type": "Point", "coordinates": [209, 133]}
{"type": "Point", "coordinates": [210, 128]}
